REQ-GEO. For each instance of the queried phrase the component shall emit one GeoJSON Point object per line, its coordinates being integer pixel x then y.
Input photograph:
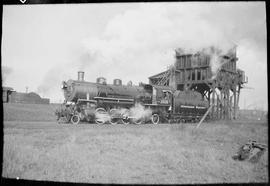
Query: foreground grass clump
{"type": "Point", "coordinates": [132, 154]}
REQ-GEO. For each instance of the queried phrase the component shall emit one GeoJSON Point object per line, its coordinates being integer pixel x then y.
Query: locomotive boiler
{"type": "Point", "coordinates": [117, 103]}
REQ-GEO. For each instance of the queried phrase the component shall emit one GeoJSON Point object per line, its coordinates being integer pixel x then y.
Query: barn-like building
{"type": "Point", "coordinates": [11, 96]}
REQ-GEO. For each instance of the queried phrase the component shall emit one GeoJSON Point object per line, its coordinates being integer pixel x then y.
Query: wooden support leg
{"type": "Point", "coordinates": [218, 107]}
{"type": "Point", "coordinates": [234, 103]}
{"type": "Point", "coordinates": [227, 104]}
{"type": "Point", "coordinates": [237, 102]}
{"type": "Point", "coordinates": [204, 116]}
{"type": "Point", "coordinates": [222, 100]}
{"type": "Point", "coordinates": [221, 105]}
{"type": "Point", "coordinates": [213, 101]}
{"type": "Point", "coordinates": [231, 108]}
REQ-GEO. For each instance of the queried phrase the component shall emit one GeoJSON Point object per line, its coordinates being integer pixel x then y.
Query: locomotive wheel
{"type": "Point", "coordinates": [113, 119]}
{"type": "Point", "coordinates": [125, 119]}
{"type": "Point", "coordinates": [75, 119]}
{"type": "Point", "coordinates": [101, 112]}
{"type": "Point", "coordinates": [155, 119]}
{"type": "Point", "coordinates": [137, 121]}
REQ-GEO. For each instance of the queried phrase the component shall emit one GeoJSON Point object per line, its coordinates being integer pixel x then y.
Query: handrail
{"type": "Point", "coordinates": [118, 99]}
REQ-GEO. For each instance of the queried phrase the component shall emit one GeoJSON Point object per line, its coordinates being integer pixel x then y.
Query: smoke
{"type": "Point", "coordinates": [6, 71]}
{"type": "Point", "coordinates": [140, 42]}
{"type": "Point", "coordinates": [146, 37]}
{"type": "Point", "coordinates": [51, 83]}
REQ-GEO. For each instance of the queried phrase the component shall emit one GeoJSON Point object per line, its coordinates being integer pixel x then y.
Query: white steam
{"type": "Point", "coordinates": [140, 112]}
{"type": "Point", "coordinates": [215, 64]}
{"type": "Point", "coordinates": [135, 113]}
{"type": "Point", "coordinates": [215, 55]}
{"type": "Point", "coordinates": [102, 116]}
{"type": "Point", "coordinates": [216, 59]}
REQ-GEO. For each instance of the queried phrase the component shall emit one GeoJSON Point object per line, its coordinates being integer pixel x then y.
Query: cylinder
{"type": "Point", "coordinates": [117, 82]}
{"type": "Point", "coordinates": [80, 76]}
{"type": "Point", "coordinates": [101, 80]}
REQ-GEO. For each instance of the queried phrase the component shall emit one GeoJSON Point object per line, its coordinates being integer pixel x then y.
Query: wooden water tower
{"type": "Point", "coordinates": [217, 79]}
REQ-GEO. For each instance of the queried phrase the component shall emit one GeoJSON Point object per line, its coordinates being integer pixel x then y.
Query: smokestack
{"type": "Point", "coordinates": [117, 82]}
{"type": "Point", "coordinates": [80, 76]}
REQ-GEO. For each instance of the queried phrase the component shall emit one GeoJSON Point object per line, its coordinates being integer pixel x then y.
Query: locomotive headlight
{"type": "Point", "coordinates": [64, 85]}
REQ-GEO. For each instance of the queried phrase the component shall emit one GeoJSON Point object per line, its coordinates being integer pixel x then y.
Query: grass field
{"type": "Point", "coordinates": [29, 112]}
{"type": "Point", "coordinates": [165, 153]}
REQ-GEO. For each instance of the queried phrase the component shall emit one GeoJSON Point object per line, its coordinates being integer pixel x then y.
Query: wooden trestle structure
{"type": "Point", "coordinates": [212, 74]}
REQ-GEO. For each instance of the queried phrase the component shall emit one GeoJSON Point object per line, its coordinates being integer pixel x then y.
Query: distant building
{"type": "Point", "coordinates": [11, 96]}
{"type": "Point", "coordinates": [6, 93]}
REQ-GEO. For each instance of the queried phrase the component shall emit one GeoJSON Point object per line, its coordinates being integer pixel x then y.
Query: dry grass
{"type": "Point", "coordinates": [37, 149]}
{"type": "Point", "coordinates": [132, 154]}
{"type": "Point", "coordinates": [29, 112]}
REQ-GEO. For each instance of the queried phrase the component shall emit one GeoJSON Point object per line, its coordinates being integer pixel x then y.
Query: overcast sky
{"type": "Point", "coordinates": [43, 45]}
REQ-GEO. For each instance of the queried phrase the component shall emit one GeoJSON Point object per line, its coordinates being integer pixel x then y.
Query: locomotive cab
{"type": "Point", "coordinates": [160, 94]}
{"type": "Point", "coordinates": [167, 97]}
{"type": "Point", "coordinates": [161, 103]}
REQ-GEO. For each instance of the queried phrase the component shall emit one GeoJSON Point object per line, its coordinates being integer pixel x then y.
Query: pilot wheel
{"type": "Point", "coordinates": [155, 119]}
{"type": "Point", "coordinates": [75, 119]}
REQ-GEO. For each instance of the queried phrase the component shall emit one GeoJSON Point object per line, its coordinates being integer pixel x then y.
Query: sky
{"type": "Point", "coordinates": [43, 45]}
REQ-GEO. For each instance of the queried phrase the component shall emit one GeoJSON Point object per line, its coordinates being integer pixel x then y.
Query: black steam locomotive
{"type": "Point", "coordinates": [116, 103]}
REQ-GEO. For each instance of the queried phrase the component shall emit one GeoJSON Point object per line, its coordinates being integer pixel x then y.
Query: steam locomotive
{"type": "Point", "coordinates": [116, 103]}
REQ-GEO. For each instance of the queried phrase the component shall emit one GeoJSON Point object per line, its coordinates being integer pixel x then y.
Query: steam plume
{"type": "Point", "coordinates": [102, 116]}
{"type": "Point", "coordinates": [137, 112]}
{"type": "Point", "coordinates": [140, 112]}
{"type": "Point", "coordinates": [216, 59]}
